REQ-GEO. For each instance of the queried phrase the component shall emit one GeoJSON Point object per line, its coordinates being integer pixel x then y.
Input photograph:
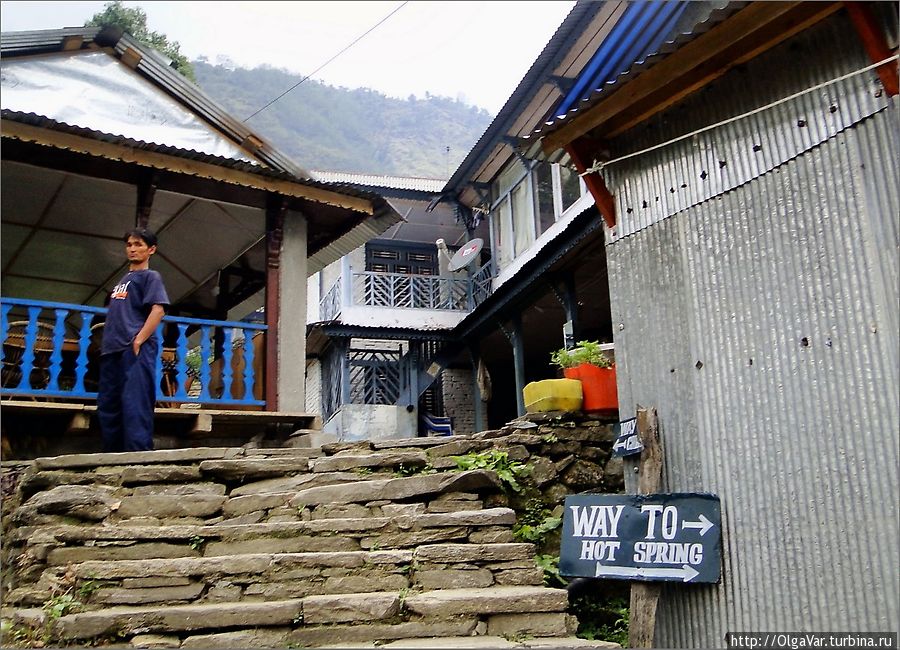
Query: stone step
{"type": "Point", "coordinates": [253, 576]}
{"type": "Point", "coordinates": [313, 620]}
{"type": "Point", "coordinates": [394, 519]}
{"type": "Point", "coordinates": [483, 643]}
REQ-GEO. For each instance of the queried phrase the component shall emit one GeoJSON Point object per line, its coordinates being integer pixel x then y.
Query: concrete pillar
{"type": "Point", "coordinates": [292, 316]}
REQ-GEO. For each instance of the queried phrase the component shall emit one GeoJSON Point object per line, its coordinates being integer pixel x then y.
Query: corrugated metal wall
{"type": "Point", "coordinates": [763, 325]}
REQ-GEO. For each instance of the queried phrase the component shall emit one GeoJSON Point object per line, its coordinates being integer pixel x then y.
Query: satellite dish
{"type": "Point", "coordinates": [466, 255]}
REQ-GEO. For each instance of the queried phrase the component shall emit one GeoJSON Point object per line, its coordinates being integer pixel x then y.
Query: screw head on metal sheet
{"type": "Point", "coordinates": [621, 326]}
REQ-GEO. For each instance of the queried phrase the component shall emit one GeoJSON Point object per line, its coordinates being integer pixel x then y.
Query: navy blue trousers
{"type": "Point", "coordinates": [127, 395]}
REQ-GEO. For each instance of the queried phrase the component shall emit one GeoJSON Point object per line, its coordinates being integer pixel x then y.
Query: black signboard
{"type": "Point", "coordinates": [627, 441]}
{"type": "Point", "coordinates": [670, 537]}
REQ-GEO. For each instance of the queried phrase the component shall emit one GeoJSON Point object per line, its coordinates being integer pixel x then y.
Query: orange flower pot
{"type": "Point", "coordinates": [598, 387]}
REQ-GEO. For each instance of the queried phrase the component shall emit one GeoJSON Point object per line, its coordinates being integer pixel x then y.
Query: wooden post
{"type": "Point", "coordinates": [603, 198]}
{"type": "Point", "coordinates": [275, 210]}
{"type": "Point", "coordinates": [645, 595]}
{"type": "Point", "coordinates": [872, 36]}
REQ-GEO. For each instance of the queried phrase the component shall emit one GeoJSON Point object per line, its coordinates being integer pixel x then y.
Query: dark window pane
{"type": "Point", "coordinates": [543, 183]}
{"type": "Point", "coordinates": [571, 188]}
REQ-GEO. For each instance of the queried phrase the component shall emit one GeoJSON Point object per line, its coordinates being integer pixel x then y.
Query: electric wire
{"type": "Point", "coordinates": [599, 166]}
{"type": "Point", "coordinates": [351, 44]}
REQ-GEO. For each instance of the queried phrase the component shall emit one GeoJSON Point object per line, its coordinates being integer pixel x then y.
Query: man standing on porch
{"type": "Point", "coordinates": [127, 391]}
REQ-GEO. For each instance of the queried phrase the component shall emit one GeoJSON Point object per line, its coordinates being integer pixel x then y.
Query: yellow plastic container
{"type": "Point", "coordinates": [553, 395]}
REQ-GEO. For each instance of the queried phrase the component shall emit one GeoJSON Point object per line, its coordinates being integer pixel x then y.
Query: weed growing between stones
{"type": "Point", "coordinates": [404, 470]}
{"type": "Point", "coordinates": [510, 472]}
{"type": "Point", "coordinates": [550, 565]}
{"type": "Point", "coordinates": [65, 599]}
{"type": "Point", "coordinates": [535, 522]}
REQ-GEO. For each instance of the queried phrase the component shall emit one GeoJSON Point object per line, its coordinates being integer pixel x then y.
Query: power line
{"type": "Point", "coordinates": [354, 42]}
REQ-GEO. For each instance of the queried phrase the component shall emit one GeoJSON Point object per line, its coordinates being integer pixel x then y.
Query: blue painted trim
{"type": "Point", "coordinates": [51, 305]}
{"type": "Point", "coordinates": [640, 31]}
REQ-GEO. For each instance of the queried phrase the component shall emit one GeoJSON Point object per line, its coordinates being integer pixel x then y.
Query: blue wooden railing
{"type": "Point", "coordinates": [52, 349]}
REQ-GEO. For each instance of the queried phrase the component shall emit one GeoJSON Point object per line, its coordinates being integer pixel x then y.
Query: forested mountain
{"type": "Point", "coordinates": [350, 130]}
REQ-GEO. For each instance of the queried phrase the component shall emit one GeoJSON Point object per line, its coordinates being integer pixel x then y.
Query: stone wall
{"type": "Point", "coordinates": [457, 386]}
{"type": "Point", "coordinates": [195, 533]}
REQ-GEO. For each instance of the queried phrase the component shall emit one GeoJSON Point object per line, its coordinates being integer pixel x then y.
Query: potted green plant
{"type": "Point", "coordinates": [588, 363]}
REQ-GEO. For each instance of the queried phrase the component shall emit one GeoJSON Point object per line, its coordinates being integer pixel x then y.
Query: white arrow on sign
{"type": "Point", "coordinates": [619, 443]}
{"type": "Point", "coordinates": [686, 573]}
{"type": "Point", "coordinates": [703, 525]}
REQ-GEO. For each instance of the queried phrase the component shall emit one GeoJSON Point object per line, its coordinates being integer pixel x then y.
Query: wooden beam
{"type": "Point", "coordinates": [751, 31]}
{"type": "Point", "coordinates": [645, 595]}
{"type": "Point", "coordinates": [804, 17]}
{"type": "Point", "coordinates": [872, 37]}
{"type": "Point", "coordinates": [156, 160]}
{"type": "Point", "coordinates": [606, 203]}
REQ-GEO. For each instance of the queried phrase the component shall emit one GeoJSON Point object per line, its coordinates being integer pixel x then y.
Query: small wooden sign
{"type": "Point", "coordinates": [627, 441]}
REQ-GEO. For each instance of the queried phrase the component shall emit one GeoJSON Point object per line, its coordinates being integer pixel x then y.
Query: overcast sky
{"type": "Point", "coordinates": [477, 52]}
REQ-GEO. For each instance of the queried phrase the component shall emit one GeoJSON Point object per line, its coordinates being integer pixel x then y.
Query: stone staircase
{"type": "Point", "coordinates": [346, 545]}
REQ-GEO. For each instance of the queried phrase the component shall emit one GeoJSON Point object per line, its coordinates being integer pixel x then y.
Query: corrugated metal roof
{"type": "Point", "coordinates": [703, 16]}
{"type": "Point", "coordinates": [44, 40]}
{"type": "Point", "coordinates": [429, 185]}
{"type": "Point", "coordinates": [537, 75]}
{"type": "Point", "coordinates": [228, 163]}
{"type": "Point", "coordinates": [153, 67]}
{"type": "Point", "coordinates": [641, 30]}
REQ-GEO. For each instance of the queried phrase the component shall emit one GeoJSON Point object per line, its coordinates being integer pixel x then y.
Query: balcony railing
{"type": "Point", "coordinates": [52, 350]}
{"type": "Point", "coordinates": [405, 291]}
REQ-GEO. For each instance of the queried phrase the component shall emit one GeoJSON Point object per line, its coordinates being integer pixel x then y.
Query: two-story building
{"type": "Point", "coordinates": [101, 135]}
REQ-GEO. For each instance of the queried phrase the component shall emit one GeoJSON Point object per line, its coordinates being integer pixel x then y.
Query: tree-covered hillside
{"type": "Point", "coordinates": [349, 130]}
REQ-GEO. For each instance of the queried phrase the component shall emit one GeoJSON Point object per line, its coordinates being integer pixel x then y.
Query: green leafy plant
{"type": "Point", "coordinates": [61, 605]}
{"type": "Point", "coordinates": [196, 542]}
{"type": "Point", "coordinates": [550, 565]}
{"type": "Point", "coordinates": [602, 619]}
{"type": "Point", "coordinates": [536, 533]}
{"type": "Point", "coordinates": [508, 471]}
{"type": "Point", "coordinates": [583, 352]}
{"type": "Point", "coordinates": [550, 438]}
{"type": "Point", "coordinates": [86, 589]}
{"type": "Point", "coordinates": [534, 522]}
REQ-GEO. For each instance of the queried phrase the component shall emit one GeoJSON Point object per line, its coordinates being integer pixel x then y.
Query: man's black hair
{"type": "Point", "coordinates": [148, 236]}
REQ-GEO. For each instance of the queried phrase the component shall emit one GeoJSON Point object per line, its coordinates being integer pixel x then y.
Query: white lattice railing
{"type": "Point", "coordinates": [330, 305]}
{"type": "Point", "coordinates": [404, 291]}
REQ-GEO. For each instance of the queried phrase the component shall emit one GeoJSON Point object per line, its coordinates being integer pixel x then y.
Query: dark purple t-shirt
{"type": "Point", "coordinates": [129, 305]}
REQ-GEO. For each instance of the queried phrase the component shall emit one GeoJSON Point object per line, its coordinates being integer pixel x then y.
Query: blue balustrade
{"type": "Point", "coordinates": [52, 350]}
